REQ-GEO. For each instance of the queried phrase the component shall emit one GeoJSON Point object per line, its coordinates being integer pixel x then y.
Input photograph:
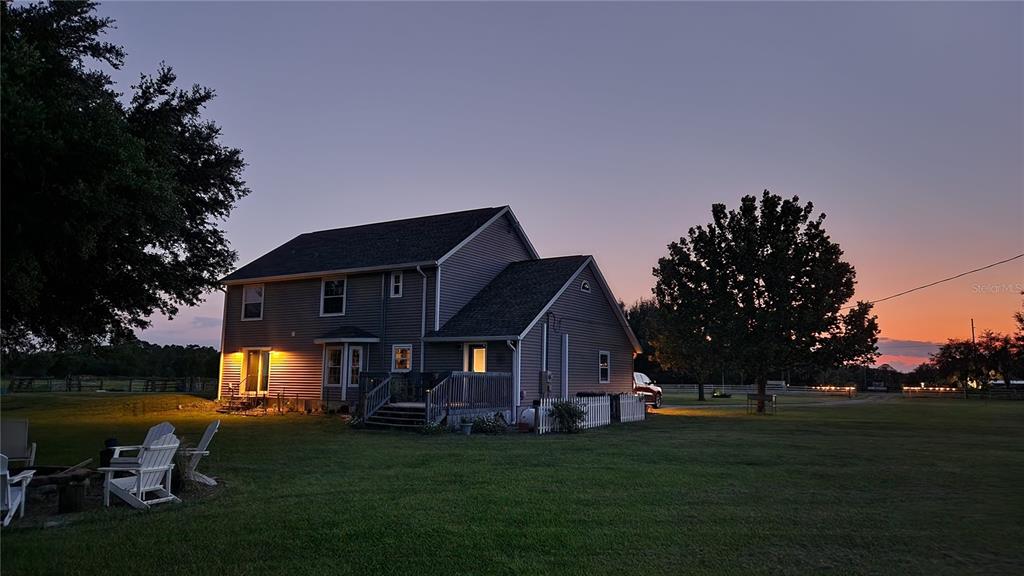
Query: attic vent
{"type": "Point", "coordinates": [585, 287]}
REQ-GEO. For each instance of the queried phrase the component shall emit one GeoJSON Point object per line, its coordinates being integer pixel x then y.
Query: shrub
{"type": "Point", "coordinates": [489, 425]}
{"type": "Point", "coordinates": [430, 429]}
{"type": "Point", "coordinates": [568, 415]}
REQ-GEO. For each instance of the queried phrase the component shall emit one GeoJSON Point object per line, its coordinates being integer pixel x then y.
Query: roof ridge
{"type": "Point", "coordinates": [550, 258]}
{"type": "Point", "coordinates": [404, 220]}
{"type": "Point", "coordinates": [418, 240]}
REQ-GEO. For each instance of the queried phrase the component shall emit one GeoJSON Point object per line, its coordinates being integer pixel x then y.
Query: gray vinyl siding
{"type": "Point", "coordinates": [592, 325]}
{"type": "Point", "coordinates": [291, 321]}
{"type": "Point", "coordinates": [448, 356]}
{"type": "Point", "coordinates": [403, 320]}
{"type": "Point", "coordinates": [530, 363]}
{"type": "Point", "coordinates": [474, 265]}
{"type": "Point", "coordinates": [444, 356]}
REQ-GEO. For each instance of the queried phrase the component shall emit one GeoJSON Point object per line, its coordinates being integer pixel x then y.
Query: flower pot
{"type": "Point", "coordinates": [467, 428]}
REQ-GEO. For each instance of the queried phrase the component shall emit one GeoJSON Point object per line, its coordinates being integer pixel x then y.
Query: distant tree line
{"type": "Point", "coordinates": [129, 358]}
{"type": "Point", "coordinates": [992, 359]}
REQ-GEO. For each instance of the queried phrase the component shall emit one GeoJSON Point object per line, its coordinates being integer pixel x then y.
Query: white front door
{"type": "Point", "coordinates": [475, 358]}
{"type": "Point", "coordinates": [256, 371]}
{"type": "Point", "coordinates": [355, 367]}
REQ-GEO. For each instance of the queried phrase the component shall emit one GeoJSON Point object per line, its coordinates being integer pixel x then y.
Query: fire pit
{"type": "Point", "coordinates": [70, 483]}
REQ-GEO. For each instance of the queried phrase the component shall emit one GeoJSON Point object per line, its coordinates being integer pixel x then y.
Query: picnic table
{"type": "Point", "coordinates": [754, 399]}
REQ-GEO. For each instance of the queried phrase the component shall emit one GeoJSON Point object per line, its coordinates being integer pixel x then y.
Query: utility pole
{"type": "Point", "coordinates": [974, 356]}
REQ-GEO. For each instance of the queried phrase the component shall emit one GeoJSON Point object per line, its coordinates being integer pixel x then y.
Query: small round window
{"type": "Point", "coordinates": [585, 286]}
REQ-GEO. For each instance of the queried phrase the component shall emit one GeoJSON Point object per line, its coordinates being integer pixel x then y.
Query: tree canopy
{"type": "Point", "coordinates": [111, 206]}
{"type": "Point", "coordinates": [642, 318]}
{"type": "Point", "coordinates": [759, 288]}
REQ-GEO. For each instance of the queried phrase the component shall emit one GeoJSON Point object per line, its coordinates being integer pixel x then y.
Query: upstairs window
{"type": "Point", "coordinates": [585, 287]}
{"type": "Point", "coordinates": [603, 366]}
{"type": "Point", "coordinates": [401, 358]}
{"type": "Point", "coordinates": [396, 284]}
{"type": "Point", "coordinates": [252, 302]}
{"type": "Point", "coordinates": [332, 296]}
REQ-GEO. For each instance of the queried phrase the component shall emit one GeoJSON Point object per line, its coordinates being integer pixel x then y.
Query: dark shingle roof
{"type": "Point", "coordinates": [423, 239]}
{"type": "Point", "coordinates": [507, 305]}
{"type": "Point", "coordinates": [345, 332]}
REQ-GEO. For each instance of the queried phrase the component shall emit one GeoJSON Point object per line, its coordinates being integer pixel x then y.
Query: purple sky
{"type": "Point", "coordinates": [611, 128]}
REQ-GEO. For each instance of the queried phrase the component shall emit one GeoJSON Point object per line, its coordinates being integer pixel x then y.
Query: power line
{"type": "Point", "coordinates": [930, 284]}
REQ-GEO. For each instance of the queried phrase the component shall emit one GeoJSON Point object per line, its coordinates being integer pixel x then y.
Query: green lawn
{"type": "Point", "coordinates": [895, 487]}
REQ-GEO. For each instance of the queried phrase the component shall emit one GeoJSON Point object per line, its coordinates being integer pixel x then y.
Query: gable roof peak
{"type": "Point", "coordinates": [422, 240]}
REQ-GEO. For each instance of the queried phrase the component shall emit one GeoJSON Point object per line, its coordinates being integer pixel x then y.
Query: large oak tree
{"type": "Point", "coordinates": [111, 204]}
{"type": "Point", "coordinates": [760, 288]}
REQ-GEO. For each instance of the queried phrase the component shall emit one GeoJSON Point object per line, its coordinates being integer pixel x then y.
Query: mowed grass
{"type": "Point", "coordinates": [891, 487]}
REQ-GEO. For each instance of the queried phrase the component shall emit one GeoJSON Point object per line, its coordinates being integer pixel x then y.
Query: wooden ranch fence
{"type": "Point", "coordinates": [85, 383]}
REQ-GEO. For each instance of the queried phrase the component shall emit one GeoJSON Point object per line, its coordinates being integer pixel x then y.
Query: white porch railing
{"type": "Point", "coordinates": [465, 392]}
{"type": "Point", "coordinates": [378, 396]}
{"type": "Point", "coordinates": [632, 408]}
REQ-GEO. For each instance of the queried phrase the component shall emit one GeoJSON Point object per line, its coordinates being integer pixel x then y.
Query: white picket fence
{"type": "Point", "coordinates": [632, 408]}
{"type": "Point", "coordinates": [597, 410]}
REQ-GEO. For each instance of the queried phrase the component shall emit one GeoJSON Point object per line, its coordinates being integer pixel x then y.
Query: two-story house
{"type": "Point", "coordinates": [339, 317]}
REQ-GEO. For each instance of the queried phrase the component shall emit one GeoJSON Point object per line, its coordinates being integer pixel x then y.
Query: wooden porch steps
{"type": "Point", "coordinates": [404, 415]}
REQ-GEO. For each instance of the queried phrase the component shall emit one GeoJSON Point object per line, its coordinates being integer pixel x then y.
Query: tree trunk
{"type": "Point", "coordinates": [762, 390]}
{"type": "Point", "coordinates": [700, 390]}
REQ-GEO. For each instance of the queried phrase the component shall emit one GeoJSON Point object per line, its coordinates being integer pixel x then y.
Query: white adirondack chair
{"type": "Point", "coordinates": [155, 433]}
{"type": "Point", "coordinates": [14, 441]}
{"type": "Point", "coordinates": [150, 481]}
{"type": "Point", "coordinates": [196, 454]}
{"type": "Point", "coordinates": [12, 491]}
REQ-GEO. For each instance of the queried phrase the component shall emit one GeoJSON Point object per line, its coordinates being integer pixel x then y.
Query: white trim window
{"type": "Point", "coordinates": [252, 302]}
{"type": "Point", "coordinates": [396, 283]}
{"type": "Point", "coordinates": [585, 287]}
{"type": "Point", "coordinates": [604, 368]}
{"type": "Point", "coordinates": [334, 363]}
{"type": "Point", "coordinates": [333, 293]}
{"type": "Point", "coordinates": [401, 358]}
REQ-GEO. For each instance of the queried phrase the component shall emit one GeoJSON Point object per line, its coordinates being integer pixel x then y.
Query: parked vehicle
{"type": "Point", "coordinates": [644, 385]}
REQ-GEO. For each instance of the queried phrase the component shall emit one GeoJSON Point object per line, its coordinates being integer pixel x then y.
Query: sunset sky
{"type": "Point", "coordinates": [612, 128]}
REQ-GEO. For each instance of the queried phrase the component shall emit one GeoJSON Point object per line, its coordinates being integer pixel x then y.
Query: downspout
{"type": "Point", "coordinates": [515, 379]}
{"type": "Point", "coordinates": [223, 337]}
{"type": "Point", "coordinates": [437, 298]}
{"type": "Point", "coordinates": [384, 360]}
{"type": "Point", "coordinates": [423, 317]}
